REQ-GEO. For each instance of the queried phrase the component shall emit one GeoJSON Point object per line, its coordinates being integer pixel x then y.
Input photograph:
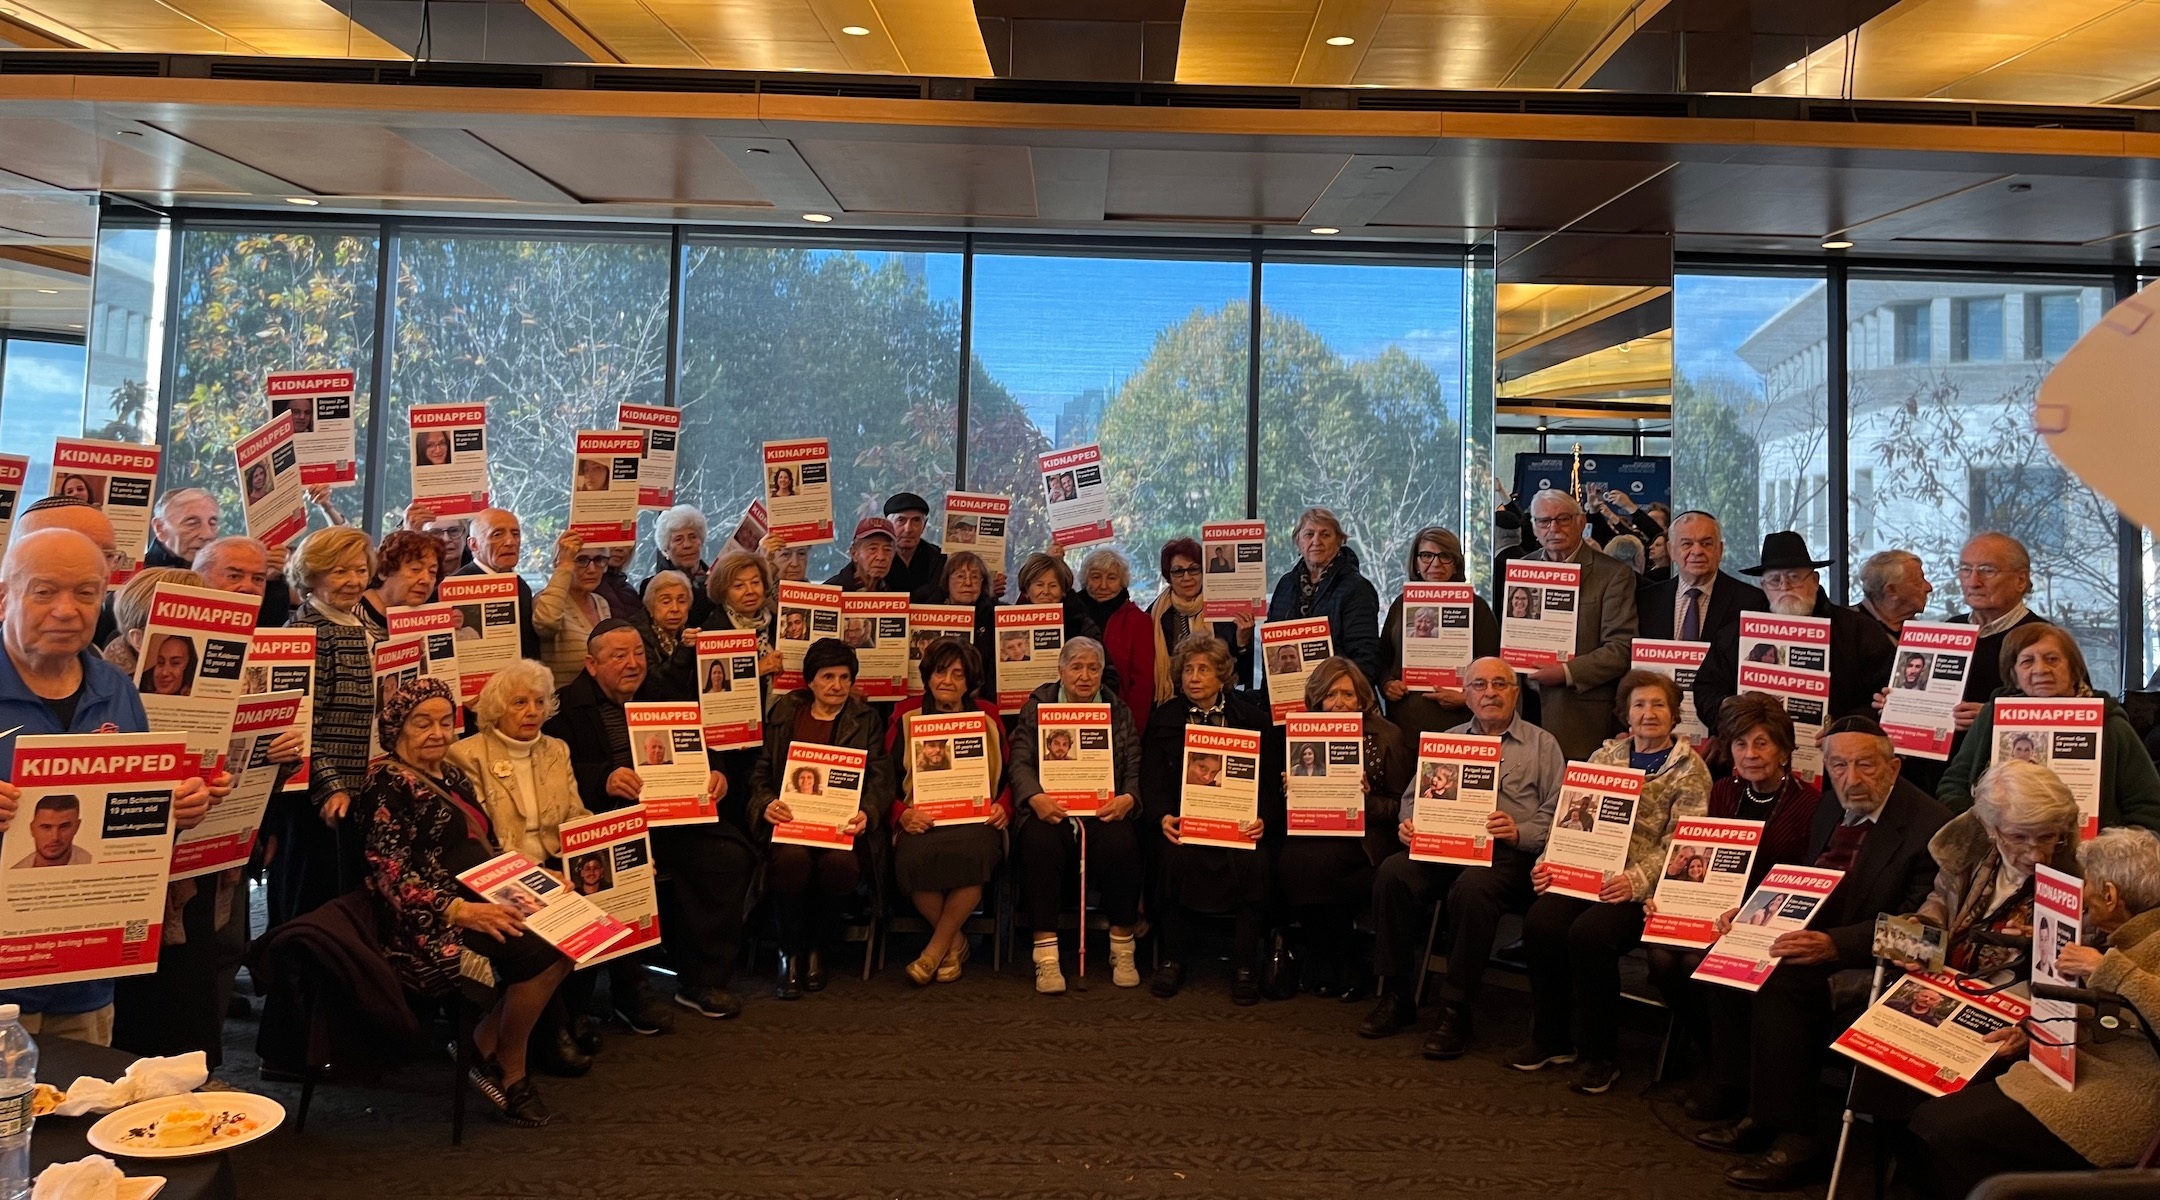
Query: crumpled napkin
{"type": "Point", "coordinates": [146, 1079]}
{"type": "Point", "coordinates": [93, 1178]}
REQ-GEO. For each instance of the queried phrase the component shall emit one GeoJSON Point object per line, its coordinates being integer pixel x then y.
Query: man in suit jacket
{"type": "Point", "coordinates": [1770, 1045]}
{"type": "Point", "coordinates": [1697, 545]}
{"type": "Point", "coordinates": [1577, 695]}
{"type": "Point", "coordinates": [1860, 652]}
{"type": "Point", "coordinates": [497, 541]}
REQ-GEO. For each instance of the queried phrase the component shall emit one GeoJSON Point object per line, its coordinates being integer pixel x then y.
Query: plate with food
{"type": "Point", "coordinates": [185, 1126]}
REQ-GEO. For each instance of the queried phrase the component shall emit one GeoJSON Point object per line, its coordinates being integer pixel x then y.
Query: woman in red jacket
{"type": "Point", "coordinates": [943, 865]}
{"type": "Point", "coordinates": [1128, 633]}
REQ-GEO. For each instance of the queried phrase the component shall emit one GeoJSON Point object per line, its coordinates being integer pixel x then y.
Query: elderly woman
{"type": "Point", "coordinates": [1049, 837]}
{"type": "Point", "coordinates": [317, 855]}
{"type": "Point", "coordinates": [2024, 1121]}
{"type": "Point", "coordinates": [2021, 815]}
{"type": "Point", "coordinates": [1177, 615]}
{"type": "Point", "coordinates": [407, 567]}
{"type": "Point", "coordinates": [1575, 945]}
{"type": "Point", "coordinates": [567, 609]}
{"type": "Point", "coordinates": [1436, 556]}
{"type": "Point", "coordinates": [1208, 879]}
{"type": "Point", "coordinates": [679, 535]}
{"type": "Point", "coordinates": [943, 867]}
{"type": "Point", "coordinates": [1326, 583]}
{"type": "Point", "coordinates": [2043, 662]}
{"type": "Point", "coordinates": [670, 639]}
{"type": "Point", "coordinates": [1128, 635]}
{"type": "Point", "coordinates": [131, 613]}
{"type": "Point", "coordinates": [1329, 880]}
{"type": "Point", "coordinates": [806, 884]}
{"type": "Point", "coordinates": [425, 826]}
{"type": "Point", "coordinates": [744, 592]}
{"type": "Point", "coordinates": [965, 580]}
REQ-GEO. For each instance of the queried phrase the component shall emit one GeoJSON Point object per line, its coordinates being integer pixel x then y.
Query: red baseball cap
{"type": "Point", "coordinates": [875, 527]}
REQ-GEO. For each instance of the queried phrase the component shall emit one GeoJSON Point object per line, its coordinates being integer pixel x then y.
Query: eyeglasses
{"type": "Point", "coordinates": [1489, 685]}
{"type": "Point", "coordinates": [1432, 556]}
{"type": "Point", "coordinates": [1183, 572]}
{"type": "Point", "coordinates": [1787, 579]}
{"type": "Point", "coordinates": [1550, 522]}
{"type": "Point", "coordinates": [592, 560]}
{"type": "Point", "coordinates": [1981, 571]}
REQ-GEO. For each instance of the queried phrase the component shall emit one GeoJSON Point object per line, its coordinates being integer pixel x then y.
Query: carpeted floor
{"type": "Point", "coordinates": [982, 1088]}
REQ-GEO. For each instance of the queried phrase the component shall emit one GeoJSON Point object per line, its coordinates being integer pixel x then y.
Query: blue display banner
{"type": "Point", "coordinates": [1645, 480]}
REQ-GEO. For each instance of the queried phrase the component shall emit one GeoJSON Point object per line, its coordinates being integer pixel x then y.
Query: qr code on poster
{"type": "Point", "coordinates": [135, 931]}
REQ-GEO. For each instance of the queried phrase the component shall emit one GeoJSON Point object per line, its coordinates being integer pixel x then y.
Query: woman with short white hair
{"type": "Point", "coordinates": [523, 775]}
{"type": "Point", "coordinates": [679, 535]}
{"type": "Point", "coordinates": [670, 639]}
{"type": "Point", "coordinates": [1128, 635]}
{"type": "Point", "coordinates": [2022, 815]}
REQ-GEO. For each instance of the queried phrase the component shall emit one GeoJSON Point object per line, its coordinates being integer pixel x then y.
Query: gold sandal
{"type": "Point", "coordinates": [949, 969]}
{"type": "Point", "coordinates": [922, 972]}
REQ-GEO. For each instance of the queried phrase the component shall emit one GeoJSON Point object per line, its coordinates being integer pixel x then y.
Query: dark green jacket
{"type": "Point", "coordinates": [2129, 785]}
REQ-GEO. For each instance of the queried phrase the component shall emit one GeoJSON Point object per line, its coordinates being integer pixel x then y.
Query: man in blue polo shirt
{"type": "Point", "coordinates": [52, 583]}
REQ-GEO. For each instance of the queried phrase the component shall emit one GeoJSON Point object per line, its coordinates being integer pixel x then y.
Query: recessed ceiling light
{"type": "Point", "coordinates": [1837, 244]}
{"type": "Point", "coordinates": [854, 31]}
{"type": "Point", "coordinates": [134, 133]}
{"type": "Point", "coordinates": [1339, 40]}
{"type": "Point", "coordinates": [819, 218]}
{"type": "Point", "coordinates": [309, 201]}
{"type": "Point", "coordinates": [48, 291]}
{"type": "Point", "coordinates": [1324, 230]}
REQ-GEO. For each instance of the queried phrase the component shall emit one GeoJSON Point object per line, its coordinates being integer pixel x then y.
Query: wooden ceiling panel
{"type": "Point", "coordinates": [1493, 185]}
{"type": "Point", "coordinates": [1243, 41]}
{"type": "Point", "coordinates": [946, 179]}
{"type": "Point", "coordinates": [53, 216]}
{"type": "Point", "coordinates": [334, 159]}
{"type": "Point", "coordinates": [628, 167]}
{"type": "Point", "coordinates": [309, 28]}
{"type": "Point", "coordinates": [923, 37]}
{"type": "Point", "coordinates": [1218, 185]}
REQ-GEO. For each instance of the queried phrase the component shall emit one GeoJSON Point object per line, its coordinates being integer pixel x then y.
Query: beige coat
{"type": "Point", "coordinates": [478, 757]}
{"type": "Point", "coordinates": [2116, 1106]}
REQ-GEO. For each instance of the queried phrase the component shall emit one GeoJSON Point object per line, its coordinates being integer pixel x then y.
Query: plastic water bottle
{"type": "Point", "coordinates": [18, 1082]}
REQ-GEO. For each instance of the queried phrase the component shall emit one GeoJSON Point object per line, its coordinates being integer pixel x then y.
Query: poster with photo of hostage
{"type": "Point", "coordinates": [658, 429]}
{"type": "Point", "coordinates": [320, 404]}
{"type": "Point", "coordinates": [226, 837]}
{"type": "Point", "coordinates": [822, 787]}
{"type": "Point", "coordinates": [875, 626]}
{"type": "Point", "coordinates": [950, 772]}
{"type": "Point", "coordinates": [1289, 650]}
{"type": "Point", "coordinates": [1786, 900]}
{"type": "Point", "coordinates": [2062, 735]}
{"type": "Point", "coordinates": [1456, 790]}
{"type": "Point", "coordinates": [1233, 569]}
{"type": "Point", "coordinates": [798, 490]}
{"type": "Point", "coordinates": [1927, 1033]}
{"type": "Point", "coordinates": [118, 479]}
{"type": "Point", "coordinates": [449, 458]}
{"type": "Point", "coordinates": [487, 628]}
{"type": "Point", "coordinates": [1704, 877]}
{"type": "Point", "coordinates": [14, 470]}
{"type": "Point", "coordinates": [978, 521]}
{"type": "Point", "coordinates": [271, 503]}
{"type": "Point", "coordinates": [1077, 496]}
{"type": "Point", "coordinates": [607, 858]}
{"type": "Point", "coordinates": [604, 486]}
{"type": "Point", "coordinates": [1029, 639]}
{"type": "Point", "coordinates": [395, 663]}
{"type": "Point", "coordinates": [1927, 683]}
{"type": "Point", "coordinates": [1805, 696]}
{"type": "Point", "coordinates": [1436, 639]}
{"type": "Point", "coordinates": [1591, 827]}
{"type": "Point", "coordinates": [436, 627]}
{"type": "Point", "coordinates": [283, 660]}
{"type": "Point", "coordinates": [1794, 643]}
{"type": "Point", "coordinates": [728, 701]}
{"type": "Point", "coordinates": [809, 612]}
{"type": "Point", "coordinates": [1073, 756]}
{"type": "Point", "coordinates": [1221, 792]}
{"type": "Point", "coordinates": [1538, 606]}
{"type": "Point", "coordinates": [667, 750]}
{"type": "Point", "coordinates": [194, 657]}
{"type": "Point", "coordinates": [561, 917]}
{"type": "Point", "coordinates": [1324, 789]}
{"type": "Point", "coordinates": [87, 857]}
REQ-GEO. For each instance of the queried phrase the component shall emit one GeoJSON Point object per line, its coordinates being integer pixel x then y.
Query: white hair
{"type": "Point", "coordinates": [519, 677]}
{"type": "Point", "coordinates": [2127, 856]}
{"type": "Point", "coordinates": [1628, 549]}
{"type": "Point", "coordinates": [1884, 568]}
{"type": "Point", "coordinates": [2015, 796]}
{"type": "Point", "coordinates": [1566, 502]}
{"type": "Point", "coordinates": [167, 502]}
{"type": "Point", "coordinates": [1107, 559]}
{"type": "Point", "coordinates": [1079, 646]}
{"type": "Point", "coordinates": [672, 520]}
{"type": "Point", "coordinates": [217, 548]}
{"type": "Point", "coordinates": [652, 586]}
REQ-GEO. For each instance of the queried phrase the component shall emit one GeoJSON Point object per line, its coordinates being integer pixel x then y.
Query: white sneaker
{"type": "Point", "coordinates": [1124, 972]}
{"type": "Point", "coordinates": [1049, 979]}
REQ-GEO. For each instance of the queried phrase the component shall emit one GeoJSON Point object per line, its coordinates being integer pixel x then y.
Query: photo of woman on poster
{"type": "Point", "coordinates": [169, 668]}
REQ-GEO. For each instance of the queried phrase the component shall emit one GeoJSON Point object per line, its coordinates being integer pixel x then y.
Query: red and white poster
{"type": "Point", "coordinates": [659, 428]}
{"type": "Point", "coordinates": [1324, 792]}
{"type": "Point", "coordinates": [226, 837]}
{"type": "Point", "coordinates": [798, 490]}
{"type": "Point", "coordinates": [1677, 661]}
{"type": "Point", "coordinates": [1806, 697]}
{"type": "Point", "coordinates": [952, 767]}
{"type": "Point", "coordinates": [604, 486]}
{"type": "Point", "coordinates": [88, 854]}
{"type": "Point", "coordinates": [270, 498]}
{"type": "Point", "coordinates": [1457, 791]}
{"type": "Point", "coordinates": [562, 918]}
{"type": "Point", "coordinates": [926, 624]}
{"type": "Point", "coordinates": [14, 470]}
{"type": "Point", "coordinates": [667, 751]}
{"type": "Point", "coordinates": [1795, 643]}
{"type": "Point", "coordinates": [1078, 496]}
{"type": "Point", "coordinates": [1786, 900]}
{"type": "Point", "coordinates": [449, 457]}
{"type": "Point", "coordinates": [977, 521]}
{"type": "Point", "coordinates": [875, 626]}
{"type": "Point", "coordinates": [1290, 651]}
{"type": "Point", "coordinates": [435, 627]}
{"type": "Point", "coordinates": [321, 406]}
{"type": "Point", "coordinates": [1073, 756]}
{"type": "Point", "coordinates": [809, 612]}
{"type": "Point", "coordinates": [283, 660]}
{"type": "Point", "coordinates": [1704, 877]}
{"type": "Point", "coordinates": [728, 702]}
{"type": "Point", "coordinates": [1591, 828]}
{"type": "Point", "coordinates": [1221, 792]}
{"type": "Point", "coordinates": [1927, 683]}
{"type": "Point", "coordinates": [2058, 916]}
{"type": "Point", "coordinates": [1029, 639]}
{"type": "Point", "coordinates": [1233, 569]}
{"type": "Point", "coordinates": [822, 787]}
{"type": "Point", "coordinates": [2064, 736]}
{"type": "Point", "coordinates": [751, 530]}
{"type": "Point", "coordinates": [608, 860]}
{"type": "Point", "coordinates": [1539, 604]}
{"type": "Point", "coordinates": [1436, 635]}
{"type": "Point", "coordinates": [1926, 1032]}
{"type": "Point", "coordinates": [487, 626]}
{"type": "Point", "coordinates": [395, 663]}
{"type": "Point", "coordinates": [118, 479]}
{"type": "Point", "coordinates": [194, 658]}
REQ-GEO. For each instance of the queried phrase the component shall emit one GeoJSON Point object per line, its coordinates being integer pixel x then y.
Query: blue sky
{"type": "Point", "coordinates": [41, 398]}
{"type": "Point", "coordinates": [1713, 314]}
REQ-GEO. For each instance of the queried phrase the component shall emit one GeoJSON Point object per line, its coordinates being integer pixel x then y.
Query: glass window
{"type": "Point", "coordinates": [253, 301]}
{"type": "Point", "coordinates": [859, 346]}
{"type": "Point", "coordinates": [1360, 406]}
{"type": "Point", "coordinates": [1910, 322]}
{"type": "Point", "coordinates": [1751, 406]}
{"type": "Point", "coordinates": [2053, 321]}
{"type": "Point", "coordinates": [550, 334]}
{"type": "Point", "coordinates": [1976, 329]}
{"type": "Point", "coordinates": [1952, 453]}
{"type": "Point", "coordinates": [128, 302]}
{"type": "Point", "coordinates": [1146, 356]}
{"type": "Point", "coordinates": [41, 399]}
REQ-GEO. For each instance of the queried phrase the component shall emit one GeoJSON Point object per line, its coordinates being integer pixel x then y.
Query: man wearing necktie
{"type": "Point", "coordinates": [1700, 601]}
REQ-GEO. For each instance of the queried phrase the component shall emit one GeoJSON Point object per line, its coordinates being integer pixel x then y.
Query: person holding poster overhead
{"type": "Point", "coordinates": [425, 825]}
{"type": "Point", "coordinates": [569, 608]}
{"type": "Point", "coordinates": [943, 864]}
{"type": "Point", "coordinates": [1327, 881]}
{"type": "Point", "coordinates": [1326, 582]}
{"type": "Point", "coordinates": [319, 852]}
{"type": "Point", "coordinates": [1049, 839]}
{"type": "Point", "coordinates": [806, 883]}
{"type": "Point", "coordinates": [1436, 556]}
{"type": "Point", "coordinates": [1208, 879]}
{"type": "Point", "coordinates": [1179, 613]}
{"type": "Point", "coordinates": [2040, 661]}
{"type": "Point", "coordinates": [1575, 945]}
{"type": "Point", "coordinates": [2025, 1121]}
{"type": "Point", "coordinates": [1577, 696]}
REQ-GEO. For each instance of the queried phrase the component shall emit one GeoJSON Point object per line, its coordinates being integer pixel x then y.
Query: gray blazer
{"type": "Point", "coordinates": [1579, 715]}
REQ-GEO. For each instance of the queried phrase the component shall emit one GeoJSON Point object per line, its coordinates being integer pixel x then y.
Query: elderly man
{"type": "Point", "coordinates": [870, 559]}
{"type": "Point", "coordinates": [917, 562]}
{"type": "Point", "coordinates": [1860, 652]}
{"type": "Point", "coordinates": [1700, 603]}
{"type": "Point", "coordinates": [51, 584]}
{"type": "Point", "coordinates": [590, 720]}
{"type": "Point", "coordinates": [1894, 589]}
{"type": "Point", "coordinates": [246, 566]}
{"type": "Point", "coordinates": [1576, 697]}
{"type": "Point", "coordinates": [62, 512]}
{"type": "Point", "coordinates": [185, 522]}
{"type": "Point", "coordinates": [497, 541]}
{"type": "Point", "coordinates": [1770, 1046]}
{"type": "Point", "coordinates": [1531, 767]}
{"type": "Point", "coordinates": [1994, 575]}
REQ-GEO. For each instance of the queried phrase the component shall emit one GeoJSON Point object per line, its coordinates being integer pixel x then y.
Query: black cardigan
{"type": "Point", "coordinates": [857, 727]}
{"type": "Point", "coordinates": [1162, 757]}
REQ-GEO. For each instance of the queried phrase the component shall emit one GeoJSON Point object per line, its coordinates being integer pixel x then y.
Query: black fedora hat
{"type": "Point", "coordinates": [1784, 551]}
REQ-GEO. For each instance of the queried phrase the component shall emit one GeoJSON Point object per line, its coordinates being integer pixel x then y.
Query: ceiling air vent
{"type": "Point", "coordinates": [1006, 93]}
{"type": "Point", "coordinates": [472, 77]}
{"type": "Point", "coordinates": [1434, 102]}
{"type": "Point", "coordinates": [2100, 119]}
{"type": "Point", "coordinates": [852, 89]}
{"type": "Point", "coordinates": [1607, 104]}
{"type": "Point", "coordinates": [1187, 99]}
{"type": "Point", "coordinates": [280, 71]}
{"type": "Point", "coordinates": [43, 62]}
{"type": "Point", "coordinates": [669, 81]}
{"type": "Point", "coordinates": [1883, 114]}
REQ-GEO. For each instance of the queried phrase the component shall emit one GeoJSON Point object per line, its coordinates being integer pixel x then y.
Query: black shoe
{"type": "Point", "coordinates": [557, 1053]}
{"type": "Point", "coordinates": [644, 1013]}
{"type": "Point", "coordinates": [1169, 977]}
{"type": "Point", "coordinates": [585, 1031]}
{"type": "Point", "coordinates": [788, 980]}
{"type": "Point", "coordinates": [1281, 979]}
{"type": "Point", "coordinates": [1452, 1037]}
{"type": "Point", "coordinates": [523, 1106]}
{"type": "Point", "coordinates": [486, 1080]}
{"type": "Point", "coordinates": [1710, 1102]}
{"type": "Point", "coordinates": [1792, 1160]}
{"type": "Point", "coordinates": [1532, 1057]}
{"type": "Point", "coordinates": [1594, 1077]}
{"type": "Point", "coordinates": [814, 974]}
{"type": "Point", "coordinates": [1245, 987]}
{"type": "Point", "coordinates": [1390, 1015]}
{"type": "Point", "coordinates": [1354, 989]}
{"type": "Point", "coordinates": [1743, 1136]}
{"type": "Point", "coordinates": [717, 1003]}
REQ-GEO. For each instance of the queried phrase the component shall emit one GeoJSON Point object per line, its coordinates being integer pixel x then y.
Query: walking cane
{"type": "Point", "coordinates": [1837, 1164]}
{"type": "Point", "coordinates": [1080, 982]}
